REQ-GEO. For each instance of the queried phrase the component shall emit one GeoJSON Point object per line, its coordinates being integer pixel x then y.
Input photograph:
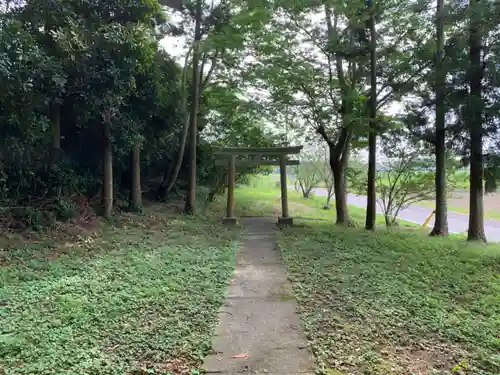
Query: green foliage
{"type": "Point", "coordinates": [262, 198]}
{"type": "Point", "coordinates": [80, 62]}
{"type": "Point", "coordinates": [234, 123]}
{"type": "Point", "coordinates": [306, 177]}
{"type": "Point", "coordinates": [137, 298]}
{"type": "Point", "coordinates": [65, 210]}
{"type": "Point", "coordinates": [405, 176]}
{"type": "Point", "coordinates": [395, 302]}
{"type": "Point", "coordinates": [79, 65]}
{"type": "Point", "coordinates": [402, 182]}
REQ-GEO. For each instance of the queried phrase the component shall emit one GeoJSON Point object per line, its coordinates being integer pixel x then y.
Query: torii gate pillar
{"type": "Point", "coordinates": [271, 156]}
{"type": "Point", "coordinates": [231, 177]}
{"type": "Point", "coordinates": [285, 219]}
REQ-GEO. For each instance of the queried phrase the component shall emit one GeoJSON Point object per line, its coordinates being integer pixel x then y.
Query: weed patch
{"type": "Point", "coordinates": [395, 302]}
{"type": "Point", "coordinates": [138, 299]}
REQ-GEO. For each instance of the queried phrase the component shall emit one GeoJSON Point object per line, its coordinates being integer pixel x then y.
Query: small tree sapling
{"type": "Point", "coordinates": [307, 177]}
{"type": "Point", "coordinates": [325, 174]}
{"type": "Point", "coordinates": [403, 178]}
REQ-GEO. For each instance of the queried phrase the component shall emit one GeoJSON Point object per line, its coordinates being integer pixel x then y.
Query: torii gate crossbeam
{"type": "Point", "coordinates": [257, 157]}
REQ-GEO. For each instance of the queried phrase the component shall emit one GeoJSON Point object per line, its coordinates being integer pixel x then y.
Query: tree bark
{"type": "Point", "coordinates": [107, 175]}
{"type": "Point", "coordinates": [476, 219]}
{"type": "Point", "coordinates": [337, 166]}
{"type": "Point", "coordinates": [191, 195]}
{"type": "Point", "coordinates": [339, 150]}
{"type": "Point", "coordinates": [135, 187]}
{"type": "Point", "coordinates": [174, 168]}
{"type": "Point", "coordinates": [338, 157]}
{"type": "Point", "coordinates": [388, 220]}
{"type": "Point", "coordinates": [341, 209]}
{"type": "Point", "coordinates": [371, 205]}
{"type": "Point", "coordinates": [441, 219]}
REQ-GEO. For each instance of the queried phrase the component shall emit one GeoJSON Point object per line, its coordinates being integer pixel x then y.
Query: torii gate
{"type": "Point", "coordinates": [254, 157]}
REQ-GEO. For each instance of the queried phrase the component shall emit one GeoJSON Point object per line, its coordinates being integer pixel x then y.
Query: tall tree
{"type": "Point", "coordinates": [475, 125]}
{"type": "Point", "coordinates": [191, 194]}
{"type": "Point", "coordinates": [215, 36]}
{"type": "Point", "coordinates": [339, 147]}
{"type": "Point", "coordinates": [371, 208]}
{"type": "Point", "coordinates": [312, 68]}
{"type": "Point", "coordinates": [441, 221]}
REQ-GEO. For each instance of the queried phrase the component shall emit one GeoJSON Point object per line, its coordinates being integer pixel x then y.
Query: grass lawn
{"type": "Point", "coordinates": [262, 198]}
{"type": "Point", "coordinates": [395, 302]}
{"type": "Point", "coordinates": [140, 298]}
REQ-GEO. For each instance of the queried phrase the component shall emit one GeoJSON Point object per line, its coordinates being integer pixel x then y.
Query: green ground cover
{"type": "Point", "coordinates": [391, 302]}
{"type": "Point", "coordinates": [395, 302]}
{"type": "Point", "coordinates": [261, 197]}
{"type": "Point", "coordinates": [140, 298]}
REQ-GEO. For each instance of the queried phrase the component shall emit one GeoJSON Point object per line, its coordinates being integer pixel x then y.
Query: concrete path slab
{"type": "Point", "coordinates": [259, 317]}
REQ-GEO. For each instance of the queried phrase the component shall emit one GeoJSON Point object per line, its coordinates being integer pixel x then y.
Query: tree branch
{"type": "Point", "coordinates": [321, 131]}
{"type": "Point", "coordinates": [206, 81]}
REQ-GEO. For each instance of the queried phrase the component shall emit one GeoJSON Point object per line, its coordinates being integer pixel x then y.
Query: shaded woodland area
{"type": "Point", "coordinates": [94, 110]}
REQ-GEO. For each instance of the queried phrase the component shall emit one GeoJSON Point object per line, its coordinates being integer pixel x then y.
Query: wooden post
{"type": "Point", "coordinates": [284, 219]}
{"type": "Point", "coordinates": [231, 174]}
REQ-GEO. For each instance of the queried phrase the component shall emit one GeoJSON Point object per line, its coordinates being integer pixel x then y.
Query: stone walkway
{"type": "Point", "coordinates": [259, 317]}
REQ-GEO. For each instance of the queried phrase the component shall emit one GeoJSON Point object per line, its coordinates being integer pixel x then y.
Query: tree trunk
{"type": "Point", "coordinates": [441, 220]}
{"type": "Point", "coordinates": [107, 169]}
{"type": "Point", "coordinates": [174, 168]}
{"type": "Point", "coordinates": [476, 219]}
{"type": "Point", "coordinates": [371, 204]}
{"type": "Point", "coordinates": [135, 183]}
{"type": "Point", "coordinates": [329, 196]}
{"type": "Point", "coordinates": [191, 195]}
{"type": "Point", "coordinates": [338, 170]}
{"type": "Point", "coordinates": [388, 220]}
{"type": "Point", "coordinates": [490, 186]}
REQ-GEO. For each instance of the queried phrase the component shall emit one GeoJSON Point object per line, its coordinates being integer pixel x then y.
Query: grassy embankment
{"type": "Point", "coordinates": [391, 302]}
{"type": "Point", "coordinates": [140, 297]}
{"type": "Point", "coordinates": [262, 198]}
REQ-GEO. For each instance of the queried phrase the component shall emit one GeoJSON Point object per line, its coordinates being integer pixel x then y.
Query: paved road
{"type": "Point", "coordinates": [457, 222]}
